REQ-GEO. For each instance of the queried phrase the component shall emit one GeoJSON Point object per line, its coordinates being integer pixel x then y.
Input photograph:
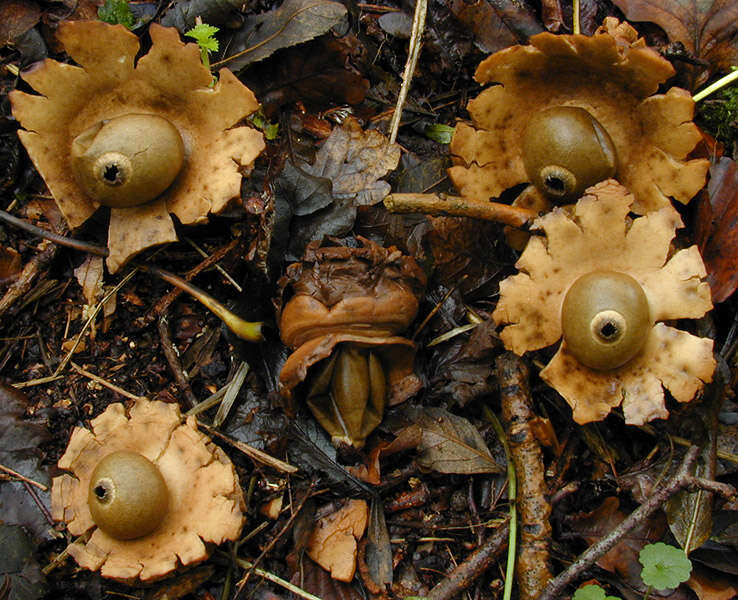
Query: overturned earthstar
{"type": "Point", "coordinates": [145, 137]}
{"type": "Point", "coordinates": [604, 284]}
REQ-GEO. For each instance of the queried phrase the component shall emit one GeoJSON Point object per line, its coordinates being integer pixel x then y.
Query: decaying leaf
{"type": "Point", "coordinates": [708, 585]}
{"type": "Point", "coordinates": [17, 17]}
{"type": "Point", "coordinates": [20, 438]}
{"type": "Point", "coordinates": [346, 174]}
{"type": "Point", "coordinates": [20, 574]}
{"type": "Point", "coordinates": [333, 542]}
{"type": "Point", "coordinates": [10, 264]}
{"type": "Point", "coordinates": [717, 229]}
{"type": "Point", "coordinates": [378, 549]}
{"type": "Point", "coordinates": [294, 22]}
{"type": "Point", "coordinates": [597, 238]}
{"type": "Point", "coordinates": [707, 28]}
{"type": "Point", "coordinates": [449, 443]}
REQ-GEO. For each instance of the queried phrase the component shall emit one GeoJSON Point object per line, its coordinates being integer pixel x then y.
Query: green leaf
{"type": "Point", "coordinates": [439, 133]}
{"type": "Point", "coordinates": [116, 12]}
{"type": "Point", "coordinates": [592, 592]}
{"type": "Point", "coordinates": [204, 35]}
{"type": "Point", "coordinates": [664, 566]}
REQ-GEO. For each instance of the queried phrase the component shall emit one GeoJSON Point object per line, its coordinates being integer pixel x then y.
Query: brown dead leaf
{"type": "Point", "coordinates": [711, 586]}
{"type": "Point", "coordinates": [717, 229]}
{"type": "Point", "coordinates": [332, 543]}
{"type": "Point", "coordinates": [450, 443]}
{"type": "Point", "coordinates": [10, 264]}
{"type": "Point", "coordinates": [17, 17]}
{"type": "Point", "coordinates": [90, 277]}
{"type": "Point", "coordinates": [706, 28]}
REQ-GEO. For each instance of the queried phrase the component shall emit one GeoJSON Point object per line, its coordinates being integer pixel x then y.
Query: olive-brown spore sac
{"type": "Point", "coordinates": [565, 151]}
{"type": "Point", "coordinates": [128, 496]}
{"type": "Point", "coordinates": [127, 161]}
{"type": "Point", "coordinates": [605, 319]}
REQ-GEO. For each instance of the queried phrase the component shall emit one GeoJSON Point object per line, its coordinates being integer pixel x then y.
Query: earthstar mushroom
{"type": "Point", "coordinates": [604, 283]}
{"type": "Point", "coordinates": [146, 137]}
{"type": "Point", "coordinates": [342, 323]}
{"type": "Point", "coordinates": [597, 89]}
{"type": "Point", "coordinates": [153, 492]}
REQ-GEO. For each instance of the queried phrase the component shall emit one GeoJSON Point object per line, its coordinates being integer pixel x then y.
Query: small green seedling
{"type": "Point", "coordinates": [592, 592]}
{"type": "Point", "coordinates": [439, 133]}
{"type": "Point", "coordinates": [259, 120]}
{"type": "Point", "coordinates": [664, 566]}
{"type": "Point", "coordinates": [204, 35]}
{"type": "Point", "coordinates": [117, 12]}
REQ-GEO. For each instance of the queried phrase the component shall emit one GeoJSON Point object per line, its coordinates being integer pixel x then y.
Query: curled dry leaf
{"type": "Point", "coordinates": [332, 543]}
{"type": "Point", "coordinates": [205, 501]}
{"type": "Point", "coordinates": [612, 76]}
{"type": "Point", "coordinates": [146, 137]}
{"type": "Point", "coordinates": [598, 238]}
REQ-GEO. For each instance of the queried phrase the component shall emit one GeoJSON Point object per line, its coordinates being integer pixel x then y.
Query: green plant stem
{"type": "Point", "coordinates": [714, 87]}
{"type": "Point", "coordinates": [648, 592]}
{"type": "Point", "coordinates": [512, 497]}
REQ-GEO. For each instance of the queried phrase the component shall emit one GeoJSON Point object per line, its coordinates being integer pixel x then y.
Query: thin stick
{"type": "Point", "coordinates": [53, 237]}
{"type": "Point", "coordinates": [714, 87]}
{"type": "Point", "coordinates": [472, 568]}
{"type": "Point", "coordinates": [105, 383]}
{"type": "Point", "coordinates": [219, 268]}
{"type": "Point", "coordinates": [682, 479]}
{"type": "Point", "coordinates": [416, 41]}
{"type": "Point", "coordinates": [253, 453]}
{"type": "Point", "coordinates": [458, 206]}
{"type": "Point", "coordinates": [244, 564]}
{"type": "Point", "coordinates": [575, 26]}
{"type": "Point", "coordinates": [20, 477]}
{"type": "Point", "coordinates": [175, 365]}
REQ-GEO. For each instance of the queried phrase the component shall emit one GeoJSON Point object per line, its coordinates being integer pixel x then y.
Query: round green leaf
{"type": "Point", "coordinates": [664, 566]}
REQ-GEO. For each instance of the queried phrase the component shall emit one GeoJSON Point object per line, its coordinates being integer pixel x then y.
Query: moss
{"type": "Point", "coordinates": [718, 115]}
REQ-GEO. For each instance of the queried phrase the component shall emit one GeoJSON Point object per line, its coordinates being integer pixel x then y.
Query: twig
{"type": "Point", "coordinates": [681, 480]}
{"type": "Point", "coordinates": [459, 206]}
{"type": "Point", "coordinates": [219, 268]}
{"type": "Point", "coordinates": [32, 268]}
{"type": "Point", "coordinates": [416, 41]}
{"type": "Point", "coordinates": [253, 453]}
{"type": "Point", "coordinates": [105, 382]}
{"type": "Point", "coordinates": [278, 580]}
{"type": "Point", "coordinates": [240, 585]}
{"type": "Point", "coordinates": [535, 530]}
{"type": "Point", "coordinates": [54, 237]}
{"type": "Point", "coordinates": [20, 477]}
{"type": "Point", "coordinates": [712, 88]}
{"type": "Point", "coordinates": [472, 568]}
{"type": "Point", "coordinates": [172, 356]}
{"type": "Point", "coordinates": [576, 27]}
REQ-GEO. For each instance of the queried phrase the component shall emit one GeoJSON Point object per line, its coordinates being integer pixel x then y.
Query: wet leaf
{"type": "Point", "coordinates": [717, 229]}
{"type": "Point", "coordinates": [21, 575]}
{"type": "Point", "coordinates": [496, 25]}
{"type": "Point", "coordinates": [17, 17]}
{"type": "Point", "coordinates": [449, 443]}
{"type": "Point", "coordinates": [705, 27]}
{"type": "Point", "coordinates": [345, 175]}
{"type": "Point", "coordinates": [378, 549]}
{"type": "Point", "coordinates": [19, 450]}
{"type": "Point", "coordinates": [294, 22]}
{"type": "Point", "coordinates": [332, 543]}
{"type": "Point", "coordinates": [182, 14]}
